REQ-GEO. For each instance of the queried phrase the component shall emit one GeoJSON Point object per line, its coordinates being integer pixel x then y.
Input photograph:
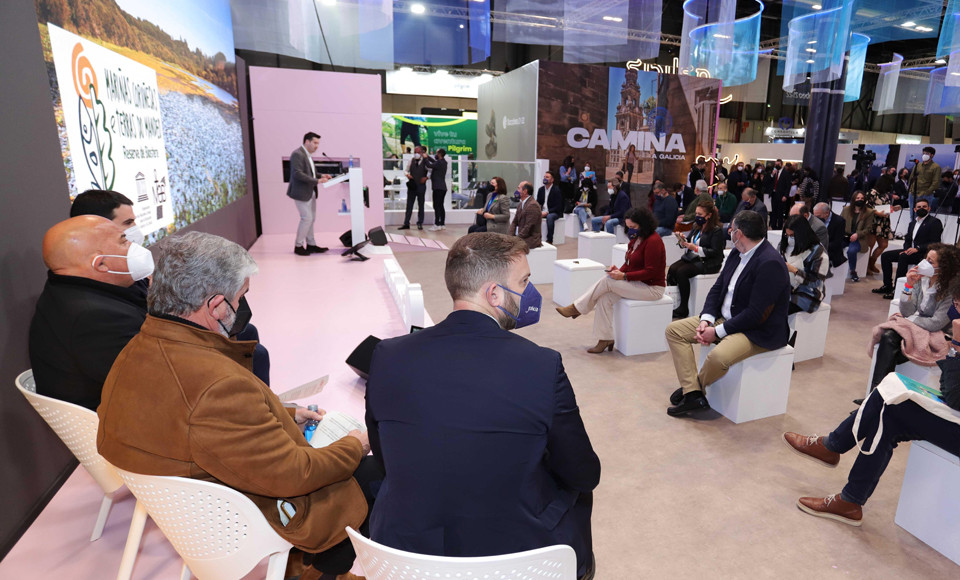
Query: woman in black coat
{"type": "Point", "coordinates": [704, 255]}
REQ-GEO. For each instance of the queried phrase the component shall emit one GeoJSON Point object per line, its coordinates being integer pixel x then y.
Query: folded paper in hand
{"type": "Point", "coordinates": [305, 390]}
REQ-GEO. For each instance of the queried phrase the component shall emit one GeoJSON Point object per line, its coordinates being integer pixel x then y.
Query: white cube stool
{"type": "Point", "coordinates": [619, 255]}
{"type": "Point", "coordinates": [571, 227]}
{"type": "Point", "coordinates": [673, 250]}
{"type": "Point", "coordinates": [673, 293]}
{"type": "Point", "coordinates": [621, 234]}
{"type": "Point", "coordinates": [571, 278]}
{"type": "Point", "coordinates": [927, 375]}
{"type": "Point", "coordinates": [639, 325]}
{"type": "Point", "coordinates": [596, 246]}
{"type": "Point", "coordinates": [558, 230]}
{"type": "Point", "coordinates": [898, 287]}
{"type": "Point", "coordinates": [929, 507]}
{"type": "Point", "coordinates": [726, 254]}
{"type": "Point", "coordinates": [834, 285]}
{"type": "Point", "coordinates": [773, 236]}
{"type": "Point", "coordinates": [754, 388]}
{"type": "Point", "coordinates": [699, 288]}
{"type": "Point", "coordinates": [811, 330]}
{"type": "Point", "coordinates": [541, 263]}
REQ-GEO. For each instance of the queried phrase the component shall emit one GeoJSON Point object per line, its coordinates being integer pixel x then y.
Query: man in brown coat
{"type": "Point", "coordinates": [181, 400]}
{"type": "Point", "coordinates": [526, 224]}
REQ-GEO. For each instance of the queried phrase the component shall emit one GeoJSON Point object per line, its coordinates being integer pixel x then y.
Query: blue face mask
{"type": "Point", "coordinates": [546, 181]}
{"type": "Point", "coordinates": [530, 302]}
{"type": "Point", "coordinates": [632, 233]}
{"type": "Point", "coordinates": [516, 194]}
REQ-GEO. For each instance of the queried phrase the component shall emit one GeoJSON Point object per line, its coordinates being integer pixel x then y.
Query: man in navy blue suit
{"type": "Point", "coordinates": [478, 429]}
{"type": "Point", "coordinates": [746, 311]}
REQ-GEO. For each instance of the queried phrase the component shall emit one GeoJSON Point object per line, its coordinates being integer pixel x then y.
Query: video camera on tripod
{"type": "Point", "coordinates": [864, 158]}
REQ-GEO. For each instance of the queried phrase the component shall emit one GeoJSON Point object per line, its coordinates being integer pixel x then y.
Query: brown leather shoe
{"type": "Point", "coordinates": [832, 507]}
{"type": "Point", "coordinates": [568, 311]}
{"type": "Point", "coordinates": [811, 447]}
{"type": "Point", "coordinates": [601, 346]}
{"type": "Point", "coordinates": [294, 564]}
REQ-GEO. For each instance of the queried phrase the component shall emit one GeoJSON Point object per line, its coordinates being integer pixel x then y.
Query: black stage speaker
{"type": "Point", "coordinates": [378, 237]}
{"type": "Point", "coordinates": [359, 359]}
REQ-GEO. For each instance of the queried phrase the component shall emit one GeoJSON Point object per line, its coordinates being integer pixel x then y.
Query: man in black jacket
{"type": "Point", "coordinates": [780, 202]}
{"type": "Point", "coordinates": [551, 200]}
{"type": "Point", "coordinates": [89, 308]}
{"type": "Point", "coordinates": [416, 187]}
{"type": "Point", "coordinates": [438, 181]}
{"type": "Point", "coordinates": [836, 232]}
{"type": "Point", "coordinates": [923, 231]}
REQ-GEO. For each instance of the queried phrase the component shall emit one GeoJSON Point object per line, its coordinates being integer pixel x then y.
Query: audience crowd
{"type": "Point", "coordinates": [498, 461]}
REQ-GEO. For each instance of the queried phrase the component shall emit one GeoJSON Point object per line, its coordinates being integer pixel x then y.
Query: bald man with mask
{"type": "Point", "coordinates": [89, 308]}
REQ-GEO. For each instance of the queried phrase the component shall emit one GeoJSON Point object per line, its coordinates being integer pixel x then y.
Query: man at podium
{"type": "Point", "coordinates": [303, 190]}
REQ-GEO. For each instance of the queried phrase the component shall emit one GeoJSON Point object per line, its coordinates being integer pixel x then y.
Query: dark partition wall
{"type": "Point", "coordinates": [33, 197]}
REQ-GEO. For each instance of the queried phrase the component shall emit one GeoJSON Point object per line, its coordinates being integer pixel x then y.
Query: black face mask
{"type": "Point", "coordinates": [243, 316]}
{"type": "Point", "coordinates": [922, 213]}
{"type": "Point", "coordinates": [860, 203]}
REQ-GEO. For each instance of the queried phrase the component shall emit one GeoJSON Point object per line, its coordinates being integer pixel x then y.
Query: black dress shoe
{"type": "Point", "coordinates": [301, 251]}
{"type": "Point", "coordinates": [316, 249]}
{"type": "Point", "coordinates": [888, 295]}
{"type": "Point", "coordinates": [419, 226]}
{"type": "Point", "coordinates": [692, 401]}
{"type": "Point", "coordinates": [858, 402]}
{"type": "Point", "coordinates": [883, 290]}
{"type": "Point", "coordinates": [680, 314]}
{"type": "Point", "coordinates": [676, 396]}
{"type": "Point", "coordinates": [404, 227]}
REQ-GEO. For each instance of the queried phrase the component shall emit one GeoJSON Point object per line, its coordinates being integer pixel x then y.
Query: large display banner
{"type": "Point", "coordinates": [507, 124]}
{"type": "Point", "coordinates": [115, 133]}
{"type": "Point", "coordinates": [646, 124]}
{"type": "Point", "coordinates": [145, 99]}
{"type": "Point", "coordinates": [456, 135]}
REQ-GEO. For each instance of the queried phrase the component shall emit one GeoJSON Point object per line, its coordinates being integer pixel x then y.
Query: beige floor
{"type": "Point", "coordinates": [692, 498]}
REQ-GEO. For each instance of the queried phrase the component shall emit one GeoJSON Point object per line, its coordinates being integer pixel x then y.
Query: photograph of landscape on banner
{"type": "Point", "coordinates": [145, 98]}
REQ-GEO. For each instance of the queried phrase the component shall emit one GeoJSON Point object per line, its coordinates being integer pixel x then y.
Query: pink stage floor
{"type": "Point", "coordinates": [311, 312]}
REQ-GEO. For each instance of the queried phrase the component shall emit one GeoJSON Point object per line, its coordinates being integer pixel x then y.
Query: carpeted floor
{"type": "Point", "coordinates": [688, 498]}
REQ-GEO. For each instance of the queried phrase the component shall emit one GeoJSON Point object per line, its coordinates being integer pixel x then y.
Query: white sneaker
{"type": "Point", "coordinates": [434, 229]}
{"type": "Point", "coordinates": [443, 227]}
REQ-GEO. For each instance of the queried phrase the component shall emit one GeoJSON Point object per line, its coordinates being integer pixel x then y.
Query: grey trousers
{"type": "Point", "coordinates": [308, 213]}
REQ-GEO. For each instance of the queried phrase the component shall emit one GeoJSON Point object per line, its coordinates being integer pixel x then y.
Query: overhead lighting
{"type": "Point", "coordinates": [441, 71]}
{"type": "Point", "coordinates": [940, 61]}
{"type": "Point", "coordinates": [924, 29]}
{"type": "Point", "coordinates": [406, 69]}
{"type": "Point", "coordinates": [613, 19]}
{"type": "Point", "coordinates": [909, 24]}
{"type": "Point", "coordinates": [817, 7]}
{"type": "Point", "coordinates": [812, 50]}
{"type": "Point", "coordinates": [418, 8]}
{"type": "Point", "coordinates": [721, 36]}
{"type": "Point", "coordinates": [955, 74]}
{"type": "Point", "coordinates": [811, 61]}
{"type": "Point", "coordinates": [461, 26]}
{"type": "Point", "coordinates": [812, 42]}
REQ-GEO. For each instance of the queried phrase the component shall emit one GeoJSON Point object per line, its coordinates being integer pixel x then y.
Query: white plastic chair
{"type": "Point", "coordinates": [219, 532]}
{"type": "Point", "coordinates": [77, 427]}
{"type": "Point", "coordinates": [383, 563]}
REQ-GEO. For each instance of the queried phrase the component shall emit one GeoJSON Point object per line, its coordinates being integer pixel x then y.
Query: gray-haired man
{"type": "Point", "coordinates": [181, 400]}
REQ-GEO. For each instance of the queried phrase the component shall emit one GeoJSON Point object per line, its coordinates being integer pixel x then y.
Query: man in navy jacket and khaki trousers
{"type": "Point", "coordinates": [748, 306]}
{"type": "Point", "coordinates": [484, 449]}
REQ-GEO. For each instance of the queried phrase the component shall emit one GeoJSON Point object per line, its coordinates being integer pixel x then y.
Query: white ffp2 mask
{"type": "Point", "coordinates": [139, 262]}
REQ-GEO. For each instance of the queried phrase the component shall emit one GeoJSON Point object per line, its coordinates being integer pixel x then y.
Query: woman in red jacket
{"type": "Point", "coordinates": [642, 277]}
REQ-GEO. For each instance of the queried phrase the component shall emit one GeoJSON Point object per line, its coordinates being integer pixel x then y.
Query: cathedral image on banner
{"type": "Point", "coordinates": [631, 105]}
